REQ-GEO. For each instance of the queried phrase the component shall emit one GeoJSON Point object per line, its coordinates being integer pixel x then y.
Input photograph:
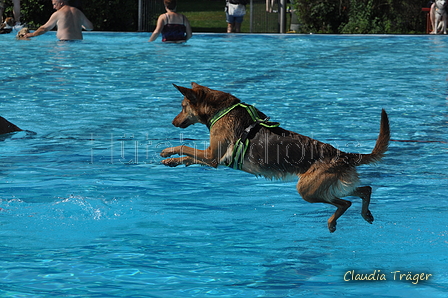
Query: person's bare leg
{"type": "Point", "coordinates": [16, 11]}
{"type": "Point", "coordinates": [237, 27]}
{"type": "Point", "coordinates": [229, 28]}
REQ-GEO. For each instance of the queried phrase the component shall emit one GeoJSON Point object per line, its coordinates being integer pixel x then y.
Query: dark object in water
{"type": "Point", "coordinates": [7, 127]}
{"type": "Point", "coordinates": [5, 30]}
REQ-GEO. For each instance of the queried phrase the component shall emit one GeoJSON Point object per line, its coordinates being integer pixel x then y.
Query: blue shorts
{"type": "Point", "coordinates": [232, 19]}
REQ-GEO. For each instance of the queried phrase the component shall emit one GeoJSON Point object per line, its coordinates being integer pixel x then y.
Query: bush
{"type": "Point", "coordinates": [34, 13]}
{"type": "Point", "coordinates": [115, 15]}
{"type": "Point", "coordinates": [361, 16]}
{"type": "Point", "coordinates": [321, 16]}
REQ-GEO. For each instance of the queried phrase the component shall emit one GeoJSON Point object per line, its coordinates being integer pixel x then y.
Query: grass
{"type": "Point", "coordinates": [207, 15]}
{"type": "Point", "coordinates": [207, 21]}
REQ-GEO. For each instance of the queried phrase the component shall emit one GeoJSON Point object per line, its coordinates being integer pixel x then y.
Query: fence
{"type": "Point", "coordinates": [265, 16]}
{"type": "Point", "coordinates": [148, 12]}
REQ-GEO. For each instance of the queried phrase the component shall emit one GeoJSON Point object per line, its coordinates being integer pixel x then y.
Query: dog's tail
{"type": "Point", "coordinates": [382, 143]}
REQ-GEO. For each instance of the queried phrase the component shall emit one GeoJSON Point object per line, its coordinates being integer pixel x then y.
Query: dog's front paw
{"type": "Point", "coordinates": [167, 152]}
{"type": "Point", "coordinates": [172, 162]}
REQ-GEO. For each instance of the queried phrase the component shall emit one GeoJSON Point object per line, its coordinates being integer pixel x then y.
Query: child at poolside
{"type": "Point", "coordinates": [173, 26]}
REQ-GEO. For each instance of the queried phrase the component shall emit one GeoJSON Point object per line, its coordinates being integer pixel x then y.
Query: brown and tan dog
{"type": "Point", "coordinates": [6, 27]}
{"type": "Point", "coordinates": [242, 138]}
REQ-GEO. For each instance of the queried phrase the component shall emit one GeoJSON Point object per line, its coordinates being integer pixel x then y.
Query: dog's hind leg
{"type": "Point", "coordinates": [342, 206]}
{"type": "Point", "coordinates": [314, 191]}
{"type": "Point", "coordinates": [364, 193]}
{"type": "Point", "coordinates": [328, 182]}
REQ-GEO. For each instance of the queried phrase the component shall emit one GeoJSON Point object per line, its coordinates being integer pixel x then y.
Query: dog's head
{"type": "Point", "coordinates": [200, 104]}
{"type": "Point", "coordinates": [441, 3]}
{"type": "Point", "coordinates": [7, 24]}
{"type": "Point", "coordinates": [21, 34]}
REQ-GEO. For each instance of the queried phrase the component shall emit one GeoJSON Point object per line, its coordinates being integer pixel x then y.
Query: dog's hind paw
{"type": "Point", "coordinates": [368, 217]}
{"type": "Point", "coordinates": [332, 227]}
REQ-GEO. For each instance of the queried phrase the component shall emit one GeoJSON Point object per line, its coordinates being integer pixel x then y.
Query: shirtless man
{"type": "Point", "coordinates": [69, 20]}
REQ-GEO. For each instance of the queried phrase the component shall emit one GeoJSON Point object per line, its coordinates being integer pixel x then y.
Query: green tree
{"type": "Point", "coordinates": [361, 16]}
{"type": "Point", "coordinates": [115, 15]}
{"type": "Point", "coordinates": [384, 16]}
{"type": "Point", "coordinates": [321, 16]}
{"type": "Point", "coordinates": [33, 12]}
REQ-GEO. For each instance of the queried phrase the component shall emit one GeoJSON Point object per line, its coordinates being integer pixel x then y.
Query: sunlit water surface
{"type": "Point", "coordinates": [88, 210]}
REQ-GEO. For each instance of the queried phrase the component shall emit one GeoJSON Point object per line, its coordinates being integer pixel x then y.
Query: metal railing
{"type": "Point", "coordinates": [265, 16]}
{"type": "Point", "coordinates": [148, 12]}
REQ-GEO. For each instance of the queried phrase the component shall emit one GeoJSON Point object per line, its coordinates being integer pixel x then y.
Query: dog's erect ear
{"type": "Point", "coordinates": [197, 86]}
{"type": "Point", "coordinates": [193, 85]}
{"type": "Point", "coordinates": [188, 93]}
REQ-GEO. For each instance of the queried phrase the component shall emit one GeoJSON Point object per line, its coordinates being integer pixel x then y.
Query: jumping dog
{"type": "Point", "coordinates": [243, 138]}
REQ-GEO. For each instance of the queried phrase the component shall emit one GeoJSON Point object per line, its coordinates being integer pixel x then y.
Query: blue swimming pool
{"type": "Point", "coordinates": [88, 210]}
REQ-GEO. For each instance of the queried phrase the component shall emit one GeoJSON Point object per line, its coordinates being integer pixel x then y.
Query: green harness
{"type": "Point", "coordinates": [241, 145]}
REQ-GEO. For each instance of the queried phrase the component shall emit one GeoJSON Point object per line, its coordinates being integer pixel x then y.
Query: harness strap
{"type": "Point", "coordinates": [250, 110]}
{"type": "Point", "coordinates": [241, 145]}
{"type": "Point", "coordinates": [240, 148]}
{"type": "Point", "coordinates": [219, 115]}
{"type": "Point", "coordinates": [239, 152]}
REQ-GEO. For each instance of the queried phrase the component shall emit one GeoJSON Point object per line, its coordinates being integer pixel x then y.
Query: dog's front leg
{"type": "Point", "coordinates": [209, 157]}
{"type": "Point", "coordinates": [432, 14]}
{"type": "Point", "coordinates": [436, 26]}
{"type": "Point", "coordinates": [444, 19]}
{"type": "Point", "coordinates": [176, 161]}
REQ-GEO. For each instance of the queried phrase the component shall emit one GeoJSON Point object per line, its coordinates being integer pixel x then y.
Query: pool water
{"type": "Point", "coordinates": [88, 210]}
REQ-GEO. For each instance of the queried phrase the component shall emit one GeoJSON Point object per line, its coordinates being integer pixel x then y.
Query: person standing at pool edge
{"type": "Point", "coordinates": [235, 11]}
{"type": "Point", "coordinates": [69, 20]}
{"type": "Point", "coordinates": [16, 10]}
{"type": "Point", "coordinates": [173, 26]}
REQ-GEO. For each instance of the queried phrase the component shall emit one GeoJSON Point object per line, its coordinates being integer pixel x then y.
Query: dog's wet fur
{"type": "Point", "coordinates": [21, 35]}
{"type": "Point", "coordinates": [326, 174]}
